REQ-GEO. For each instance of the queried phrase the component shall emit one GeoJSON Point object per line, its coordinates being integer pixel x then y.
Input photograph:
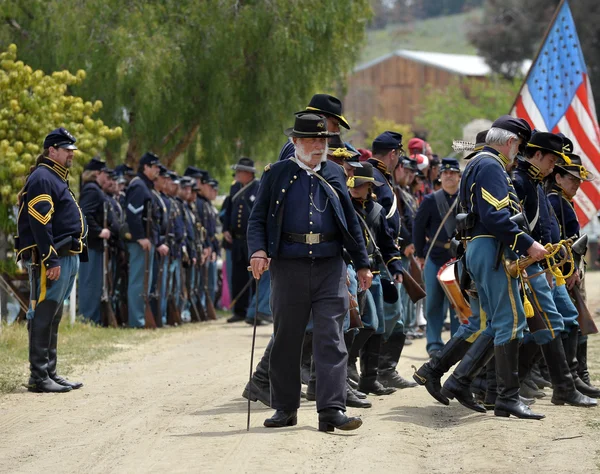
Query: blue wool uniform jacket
{"type": "Point", "coordinates": [383, 236]}
{"type": "Point", "coordinates": [91, 200]}
{"type": "Point", "coordinates": [264, 226]}
{"type": "Point", "coordinates": [138, 199]}
{"type": "Point", "coordinates": [565, 213]}
{"type": "Point", "coordinates": [408, 211]}
{"type": "Point", "coordinates": [427, 221]}
{"type": "Point", "coordinates": [287, 151]}
{"type": "Point", "coordinates": [487, 191]}
{"type": "Point", "coordinates": [385, 195]}
{"type": "Point", "coordinates": [238, 210]}
{"type": "Point", "coordinates": [49, 213]}
{"type": "Point", "coordinates": [527, 182]}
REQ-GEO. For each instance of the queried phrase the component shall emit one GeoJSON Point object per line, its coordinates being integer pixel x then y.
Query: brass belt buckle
{"type": "Point", "coordinates": [313, 238]}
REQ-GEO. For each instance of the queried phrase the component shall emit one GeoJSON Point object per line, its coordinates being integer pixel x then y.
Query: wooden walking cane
{"type": "Point", "coordinates": [252, 352]}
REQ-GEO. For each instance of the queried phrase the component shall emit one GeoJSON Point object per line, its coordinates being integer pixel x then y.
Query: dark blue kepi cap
{"type": "Point", "coordinates": [449, 164]}
{"type": "Point", "coordinates": [387, 141]}
{"type": "Point", "coordinates": [518, 126]}
{"type": "Point", "coordinates": [149, 159]}
{"type": "Point", "coordinates": [60, 138]}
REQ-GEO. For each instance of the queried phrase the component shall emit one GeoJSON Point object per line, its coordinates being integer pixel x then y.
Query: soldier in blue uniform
{"type": "Point", "coordinates": [94, 204]}
{"type": "Point", "coordinates": [387, 149]}
{"type": "Point", "coordinates": [487, 194]}
{"type": "Point", "coordinates": [51, 240]}
{"type": "Point", "coordinates": [435, 208]}
{"type": "Point", "coordinates": [564, 183]}
{"type": "Point", "coordinates": [235, 224]}
{"type": "Point", "coordinates": [188, 249]}
{"type": "Point", "coordinates": [372, 217]}
{"type": "Point", "coordinates": [301, 218]}
{"type": "Point", "coordinates": [138, 199]}
{"type": "Point", "coordinates": [559, 313]}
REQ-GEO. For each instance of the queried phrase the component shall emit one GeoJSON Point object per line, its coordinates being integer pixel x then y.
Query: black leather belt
{"type": "Point", "coordinates": [441, 245]}
{"type": "Point", "coordinates": [309, 238]}
{"type": "Point", "coordinates": [235, 235]}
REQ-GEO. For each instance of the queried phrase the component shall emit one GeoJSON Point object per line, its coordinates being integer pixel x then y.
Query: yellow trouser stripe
{"type": "Point", "coordinates": [513, 306]}
{"type": "Point", "coordinates": [42, 283]}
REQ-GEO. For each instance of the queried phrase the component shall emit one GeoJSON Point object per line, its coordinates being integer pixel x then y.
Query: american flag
{"type": "Point", "coordinates": [557, 97]}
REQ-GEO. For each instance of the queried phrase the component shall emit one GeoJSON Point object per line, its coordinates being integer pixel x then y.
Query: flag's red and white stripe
{"type": "Point", "coordinates": [580, 125]}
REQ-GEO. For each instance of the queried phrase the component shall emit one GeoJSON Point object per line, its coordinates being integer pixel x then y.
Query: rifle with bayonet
{"type": "Point", "coordinates": [106, 310]}
{"type": "Point", "coordinates": [149, 322]}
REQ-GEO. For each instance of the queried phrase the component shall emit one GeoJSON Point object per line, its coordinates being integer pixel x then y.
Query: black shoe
{"type": "Point", "coordinates": [330, 419]}
{"type": "Point", "coordinates": [571, 343]}
{"type": "Point", "coordinates": [353, 375]}
{"type": "Point", "coordinates": [282, 418]}
{"type": "Point", "coordinates": [537, 378]}
{"type": "Point", "coordinates": [371, 385]}
{"type": "Point", "coordinates": [353, 401]}
{"type": "Point", "coordinates": [359, 394]}
{"type": "Point", "coordinates": [47, 386]}
{"type": "Point", "coordinates": [250, 322]}
{"type": "Point", "coordinates": [582, 368]}
{"type": "Point", "coordinates": [430, 373]}
{"type": "Point", "coordinates": [257, 393]}
{"type": "Point", "coordinates": [458, 385]}
{"type": "Point", "coordinates": [237, 318]}
{"type": "Point", "coordinates": [564, 391]}
{"type": "Point", "coordinates": [527, 391]}
{"type": "Point", "coordinates": [508, 401]}
{"type": "Point", "coordinates": [61, 381]}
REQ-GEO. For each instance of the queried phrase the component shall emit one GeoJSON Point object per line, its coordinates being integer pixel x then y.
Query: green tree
{"type": "Point", "coordinates": [446, 112]}
{"type": "Point", "coordinates": [220, 76]}
{"type": "Point", "coordinates": [380, 125]}
{"type": "Point", "coordinates": [31, 104]}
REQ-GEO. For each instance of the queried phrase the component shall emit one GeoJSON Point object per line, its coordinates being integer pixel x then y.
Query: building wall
{"type": "Point", "coordinates": [392, 89]}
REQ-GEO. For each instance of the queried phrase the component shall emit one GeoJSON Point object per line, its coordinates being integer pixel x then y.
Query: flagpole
{"type": "Point", "coordinates": [542, 43]}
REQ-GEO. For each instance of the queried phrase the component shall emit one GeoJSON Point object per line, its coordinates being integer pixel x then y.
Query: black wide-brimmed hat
{"type": "Point", "coordinates": [244, 164]}
{"type": "Point", "coordinates": [326, 104]}
{"type": "Point", "coordinates": [309, 125]}
{"type": "Point", "coordinates": [576, 168]}
{"type": "Point", "coordinates": [363, 175]}
{"type": "Point", "coordinates": [549, 143]}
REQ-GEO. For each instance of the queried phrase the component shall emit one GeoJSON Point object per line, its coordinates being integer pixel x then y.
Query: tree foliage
{"type": "Point", "coordinates": [31, 105]}
{"type": "Point", "coordinates": [221, 76]}
{"type": "Point", "coordinates": [446, 112]}
{"type": "Point", "coordinates": [380, 125]}
{"type": "Point", "coordinates": [510, 31]}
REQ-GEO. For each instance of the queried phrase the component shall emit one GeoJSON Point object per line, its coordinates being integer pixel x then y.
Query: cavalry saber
{"type": "Point", "coordinates": [239, 295]}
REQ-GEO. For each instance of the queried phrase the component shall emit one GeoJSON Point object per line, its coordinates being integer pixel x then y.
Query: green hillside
{"type": "Point", "coordinates": [447, 34]}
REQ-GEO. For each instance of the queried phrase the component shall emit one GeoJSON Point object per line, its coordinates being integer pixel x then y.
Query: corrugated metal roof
{"type": "Point", "coordinates": [461, 64]}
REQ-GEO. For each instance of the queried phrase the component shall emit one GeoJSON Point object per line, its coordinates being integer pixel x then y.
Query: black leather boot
{"type": "Point", "coordinates": [479, 385]}
{"type": "Point", "coordinates": [331, 418]}
{"type": "Point", "coordinates": [529, 389]}
{"type": "Point", "coordinates": [431, 373]}
{"type": "Point", "coordinates": [458, 385]}
{"type": "Point", "coordinates": [282, 418]}
{"type": "Point", "coordinates": [388, 361]}
{"type": "Point", "coordinates": [353, 401]}
{"type": "Point", "coordinates": [491, 392]}
{"type": "Point", "coordinates": [582, 368]}
{"type": "Point", "coordinates": [564, 390]}
{"type": "Point", "coordinates": [538, 378]}
{"type": "Point", "coordinates": [259, 388]}
{"type": "Point", "coordinates": [570, 342]}
{"type": "Point", "coordinates": [40, 329]}
{"type": "Point", "coordinates": [52, 354]}
{"type": "Point", "coordinates": [359, 341]}
{"type": "Point", "coordinates": [507, 374]}
{"type": "Point", "coordinates": [306, 357]}
{"type": "Point", "coordinates": [369, 362]}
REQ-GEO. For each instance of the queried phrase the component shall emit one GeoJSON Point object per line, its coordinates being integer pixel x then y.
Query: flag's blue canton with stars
{"type": "Point", "coordinates": [558, 71]}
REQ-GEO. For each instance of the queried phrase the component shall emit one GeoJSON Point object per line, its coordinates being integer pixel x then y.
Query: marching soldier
{"type": "Point", "coordinates": [51, 240]}
{"type": "Point", "coordinates": [235, 224]}
{"type": "Point", "coordinates": [433, 229]}
{"type": "Point", "coordinates": [301, 217]}
{"type": "Point", "coordinates": [386, 152]}
{"type": "Point", "coordinates": [94, 204]}
{"type": "Point", "coordinates": [138, 200]}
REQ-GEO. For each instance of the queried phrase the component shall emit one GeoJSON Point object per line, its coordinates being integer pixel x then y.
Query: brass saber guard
{"type": "Point", "coordinates": [515, 267]}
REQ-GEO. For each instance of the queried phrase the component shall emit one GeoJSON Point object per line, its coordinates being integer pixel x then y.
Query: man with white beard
{"type": "Point", "coordinates": [301, 219]}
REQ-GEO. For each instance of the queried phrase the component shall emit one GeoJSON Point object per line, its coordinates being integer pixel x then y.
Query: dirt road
{"type": "Point", "coordinates": [174, 405]}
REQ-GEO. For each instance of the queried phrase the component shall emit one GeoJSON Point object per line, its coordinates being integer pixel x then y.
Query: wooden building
{"type": "Point", "coordinates": [393, 86]}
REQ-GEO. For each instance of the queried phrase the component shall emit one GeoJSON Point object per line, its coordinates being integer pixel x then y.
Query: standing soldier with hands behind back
{"type": "Point", "coordinates": [51, 239]}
